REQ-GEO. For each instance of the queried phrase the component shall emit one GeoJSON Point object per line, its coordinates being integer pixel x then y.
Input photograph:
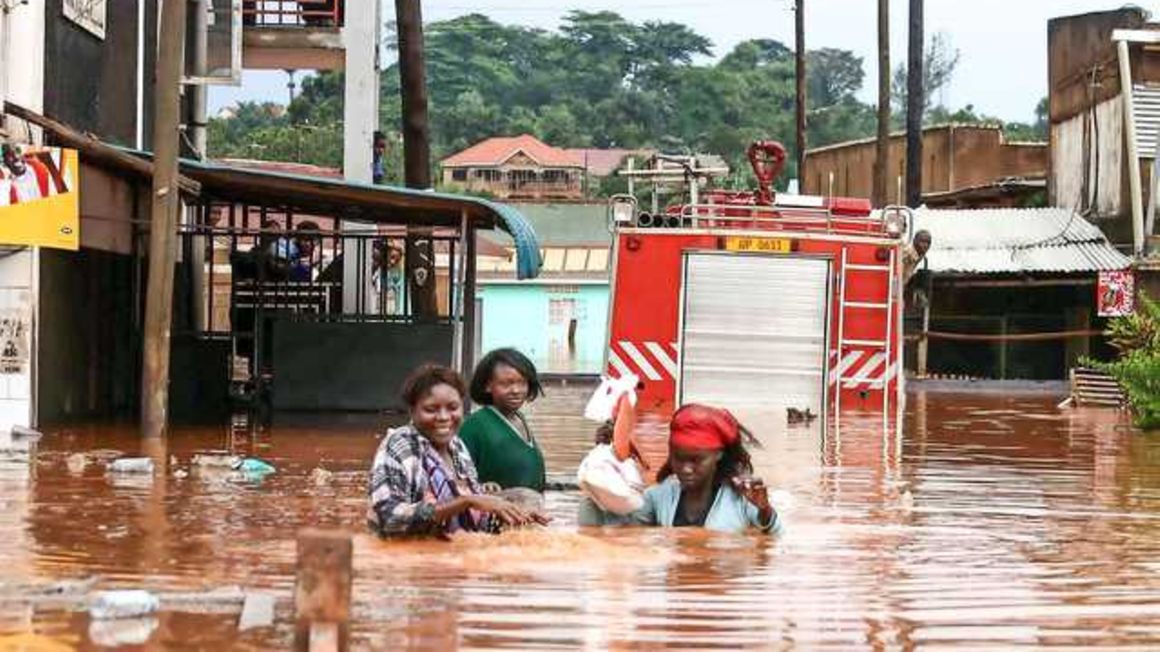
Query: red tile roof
{"type": "Point", "coordinates": [495, 151]}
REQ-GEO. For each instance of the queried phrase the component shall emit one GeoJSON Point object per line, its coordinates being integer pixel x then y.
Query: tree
{"type": "Point", "coordinates": [940, 62]}
{"type": "Point", "coordinates": [599, 81]}
{"type": "Point", "coordinates": [834, 76]}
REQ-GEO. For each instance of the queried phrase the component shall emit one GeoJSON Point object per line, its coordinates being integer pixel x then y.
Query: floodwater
{"type": "Point", "coordinates": [995, 521]}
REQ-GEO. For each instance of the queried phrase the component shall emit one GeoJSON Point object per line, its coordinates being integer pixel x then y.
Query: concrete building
{"type": "Point", "coordinates": [516, 168]}
{"type": "Point", "coordinates": [71, 68]}
{"type": "Point", "coordinates": [88, 65]}
{"type": "Point", "coordinates": [958, 160]}
{"type": "Point", "coordinates": [524, 168]}
{"type": "Point", "coordinates": [560, 318]}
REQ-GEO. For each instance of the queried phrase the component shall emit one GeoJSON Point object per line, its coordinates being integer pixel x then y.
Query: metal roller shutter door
{"type": "Point", "coordinates": [754, 331]}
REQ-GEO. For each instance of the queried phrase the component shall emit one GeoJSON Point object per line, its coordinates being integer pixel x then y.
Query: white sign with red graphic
{"type": "Point", "coordinates": [1116, 293]}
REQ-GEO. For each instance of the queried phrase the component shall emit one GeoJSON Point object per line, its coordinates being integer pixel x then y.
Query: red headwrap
{"type": "Point", "coordinates": [703, 427]}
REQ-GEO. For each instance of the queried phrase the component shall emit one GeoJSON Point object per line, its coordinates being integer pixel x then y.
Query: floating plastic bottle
{"type": "Point", "coordinates": [254, 466]}
{"type": "Point", "coordinates": [108, 605]}
{"type": "Point", "coordinates": [142, 465]}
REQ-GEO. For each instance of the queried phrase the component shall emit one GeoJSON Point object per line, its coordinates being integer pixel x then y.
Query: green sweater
{"type": "Point", "coordinates": [500, 454]}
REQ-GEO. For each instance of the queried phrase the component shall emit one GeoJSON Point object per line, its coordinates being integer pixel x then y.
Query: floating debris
{"type": "Point", "coordinates": [76, 463]}
{"type": "Point", "coordinates": [321, 477]}
{"type": "Point", "coordinates": [132, 603]}
{"type": "Point", "coordinates": [20, 432]}
{"type": "Point", "coordinates": [216, 460]}
{"type": "Point", "coordinates": [794, 415]}
{"type": "Point", "coordinates": [257, 611]}
{"type": "Point", "coordinates": [254, 466]}
{"type": "Point", "coordinates": [132, 465]}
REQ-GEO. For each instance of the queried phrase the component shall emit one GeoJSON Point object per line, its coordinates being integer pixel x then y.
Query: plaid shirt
{"type": "Point", "coordinates": [401, 502]}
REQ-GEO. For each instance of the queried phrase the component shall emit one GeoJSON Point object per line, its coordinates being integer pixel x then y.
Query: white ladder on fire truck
{"type": "Point", "coordinates": [884, 346]}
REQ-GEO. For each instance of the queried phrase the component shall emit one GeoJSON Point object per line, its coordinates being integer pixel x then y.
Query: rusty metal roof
{"type": "Point", "coordinates": [1015, 241]}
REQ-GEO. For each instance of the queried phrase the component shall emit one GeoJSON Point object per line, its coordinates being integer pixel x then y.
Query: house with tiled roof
{"type": "Point", "coordinates": [516, 168]}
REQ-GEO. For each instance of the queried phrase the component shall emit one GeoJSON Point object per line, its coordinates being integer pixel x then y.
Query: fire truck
{"type": "Point", "coordinates": [755, 300]}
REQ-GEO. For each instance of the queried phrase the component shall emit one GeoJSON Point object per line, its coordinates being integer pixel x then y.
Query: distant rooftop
{"type": "Point", "coordinates": [1015, 241]}
{"type": "Point", "coordinates": [497, 151]}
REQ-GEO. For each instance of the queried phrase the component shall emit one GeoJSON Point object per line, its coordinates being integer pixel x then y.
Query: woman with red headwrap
{"type": "Point", "coordinates": [707, 479]}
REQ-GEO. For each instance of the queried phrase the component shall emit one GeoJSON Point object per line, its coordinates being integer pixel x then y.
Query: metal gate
{"type": "Point", "coordinates": [754, 332]}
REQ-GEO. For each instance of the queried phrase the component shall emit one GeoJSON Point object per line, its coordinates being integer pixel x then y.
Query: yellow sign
{"type": "Point", "coordinates": [40, 197]}
{"type": "Point", "coordinates": [768, 245]}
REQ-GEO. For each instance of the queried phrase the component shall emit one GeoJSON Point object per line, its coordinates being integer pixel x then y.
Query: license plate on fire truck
{"type": "Point", "coordinates": [771, 245]}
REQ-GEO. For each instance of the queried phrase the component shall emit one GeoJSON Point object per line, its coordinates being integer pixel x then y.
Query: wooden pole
{"type": "Point", "coordinates": [416, 152]}
{"type": "Point", "coordinates": [915, 104]}
{"type": "Point", "coordinates": [163, 222]}
{"type": "Point", "coordinates": [322, 591]}
{"type": "Point", "coordinates": [469, 316]}
{"type": "Point", "coordinates": [882, 152]}
{"type": "Point", "coordinates": [412, 76]}
{"type": "Point", "coordinates": [800, 57]}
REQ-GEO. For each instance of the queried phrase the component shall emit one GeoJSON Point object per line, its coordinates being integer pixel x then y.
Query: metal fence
{"type": "Point", "coordinates": [249, 267]}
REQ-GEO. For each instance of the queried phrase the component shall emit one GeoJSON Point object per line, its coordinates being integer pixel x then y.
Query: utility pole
{"type": "Point", "coordinates": [882, 152]}
{"type": "Point", "coordinates": [163, 223]}
{"type": "Point", "coordinates": [800, 44]}
{"type": "Point", "coordinates": [412, 75]}
{"type": "Point", "coordinates": [915, 104]}
{"type": "Point", "coordinates": [420, 253]}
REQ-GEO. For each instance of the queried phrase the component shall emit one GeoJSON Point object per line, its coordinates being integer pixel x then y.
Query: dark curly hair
{"type": "Point", "coordinates": [423, 379]}
{"type": "Point", "coordinates": [511, 358]}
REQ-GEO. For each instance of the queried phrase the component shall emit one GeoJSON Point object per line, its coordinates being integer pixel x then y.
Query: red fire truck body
{"type": "Point", "coordinates": [756, 302]}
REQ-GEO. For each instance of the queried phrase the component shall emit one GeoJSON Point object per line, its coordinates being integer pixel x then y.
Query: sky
{"type": "Point", "coordinates": [1002, 43]}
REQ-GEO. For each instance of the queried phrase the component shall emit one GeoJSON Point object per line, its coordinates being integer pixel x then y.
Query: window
{"type": "Point", "coordinates": [459, 175]}
{"type": "Point", "coordinates": [561, 311]}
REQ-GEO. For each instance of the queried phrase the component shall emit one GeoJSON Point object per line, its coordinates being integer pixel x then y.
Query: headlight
{"type": "Point", "coordinates": [623, 208]}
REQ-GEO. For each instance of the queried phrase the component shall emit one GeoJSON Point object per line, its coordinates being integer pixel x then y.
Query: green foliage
{"type": "Point", "coordinates": [1137, 338]}
{"type": "Point", "coordinates": [1139, 374]}
{"type": "Point", "coordinates": [600, 81]}
{"type": "Point", "coordinates": [1138, 332]}
{"type": "Point", "coordinates": [939, 63]}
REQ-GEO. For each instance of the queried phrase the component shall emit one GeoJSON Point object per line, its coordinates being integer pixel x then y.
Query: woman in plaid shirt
{"type": "Point", "coordinates": [423, 481]}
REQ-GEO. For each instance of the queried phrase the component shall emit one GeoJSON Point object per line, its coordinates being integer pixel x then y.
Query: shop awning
{"type": "Point", "coordinates": [351, 200]}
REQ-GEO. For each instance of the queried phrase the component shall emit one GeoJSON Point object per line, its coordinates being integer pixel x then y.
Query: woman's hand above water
{"type": "Point", "coordinates": [509, 513]}
{"type": "Point", "coordinates": [755, 491]}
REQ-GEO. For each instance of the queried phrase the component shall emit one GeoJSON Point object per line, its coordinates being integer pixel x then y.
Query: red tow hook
{"type": "Point", "coordinates": [768, 160]}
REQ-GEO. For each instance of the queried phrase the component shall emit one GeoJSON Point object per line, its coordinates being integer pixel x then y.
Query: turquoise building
{"type": "Point", "coordinates": [560, 319]}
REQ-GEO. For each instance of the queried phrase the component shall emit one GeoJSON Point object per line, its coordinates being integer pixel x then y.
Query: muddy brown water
{"type": "Point", "coordinates": [993, 521]}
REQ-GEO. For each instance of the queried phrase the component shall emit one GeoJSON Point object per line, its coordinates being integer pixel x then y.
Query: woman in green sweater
{"type": "Point", "coordinates": [498, 437]}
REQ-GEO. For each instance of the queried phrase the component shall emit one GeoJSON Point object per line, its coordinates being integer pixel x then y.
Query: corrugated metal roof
{"type": "Point", "coordinates": [1015, 241]}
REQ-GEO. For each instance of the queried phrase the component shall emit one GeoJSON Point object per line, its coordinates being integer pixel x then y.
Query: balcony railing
{"type": "Point", "coordinates": [292, 13]}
